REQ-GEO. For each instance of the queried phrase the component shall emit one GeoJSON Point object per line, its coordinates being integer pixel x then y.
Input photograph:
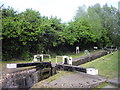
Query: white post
{"type": "Point", "coordinates": [56, 59]}
{"type": "Point", "coordinates": [41, 57]}
{"type": "Point", "coordinates": [65, 57]}
{"type": "Point", "coordinates": [70, 61]}
{"type": "Point", "coordinates": [49, 58]}
{"type": "Point", "coordinates": [77, 49]}
{"type": "Point", "coordinates": [35, 58]}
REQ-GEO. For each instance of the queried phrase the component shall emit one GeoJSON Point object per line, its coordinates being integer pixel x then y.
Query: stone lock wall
{"type": "Point", "coordinates": [24, 79]}
{"type": "Point", "coordinates": [87, 58]}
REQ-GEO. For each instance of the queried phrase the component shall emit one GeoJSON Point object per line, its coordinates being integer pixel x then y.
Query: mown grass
{"type": "Point", "coordinates": [102, 85]}
{"type": "Point", "coordinates": [107, 65]}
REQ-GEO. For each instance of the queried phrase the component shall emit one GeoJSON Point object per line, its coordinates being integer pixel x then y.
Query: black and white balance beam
{"type": "Point", "coordinates": [91, 71]}
{"type": "Point", "coordinates": [19, 65]}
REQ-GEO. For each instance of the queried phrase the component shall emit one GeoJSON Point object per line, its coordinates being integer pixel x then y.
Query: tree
{"type": "Point", "coordinates": [96, 18]}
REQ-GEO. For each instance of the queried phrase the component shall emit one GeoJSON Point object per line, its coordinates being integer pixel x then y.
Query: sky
{"type": "Point", "coordinates": [63, 9]}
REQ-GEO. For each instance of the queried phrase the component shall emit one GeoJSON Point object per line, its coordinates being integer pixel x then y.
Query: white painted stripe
{"type": "Point", "coordinates": [11, 65]}
{"type": "Point", "coordinates": [92, 71]}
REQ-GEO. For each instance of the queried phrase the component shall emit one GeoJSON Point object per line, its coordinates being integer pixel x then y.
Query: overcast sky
{"type": "Point", "coordinates": [64, 9]}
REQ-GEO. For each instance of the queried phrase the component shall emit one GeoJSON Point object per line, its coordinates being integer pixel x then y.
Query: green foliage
{"type": "Point", "coordinates": [103, 22]}
{"type": "Point", "coordinates": [29, 32]}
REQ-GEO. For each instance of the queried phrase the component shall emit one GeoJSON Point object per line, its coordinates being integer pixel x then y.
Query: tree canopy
{"type": "Point", "coordinates": [28, 33]}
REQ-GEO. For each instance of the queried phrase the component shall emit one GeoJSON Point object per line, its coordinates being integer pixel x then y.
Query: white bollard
{"type": "Point", "coordinates": [86, 52]}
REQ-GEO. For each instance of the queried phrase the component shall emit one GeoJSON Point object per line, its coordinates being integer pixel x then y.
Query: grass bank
{"type": "Point", "coordinates": [107, 65]}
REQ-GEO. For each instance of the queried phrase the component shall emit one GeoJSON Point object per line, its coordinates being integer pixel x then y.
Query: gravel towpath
{"type": "Point", "coordinates": [74, 80]}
